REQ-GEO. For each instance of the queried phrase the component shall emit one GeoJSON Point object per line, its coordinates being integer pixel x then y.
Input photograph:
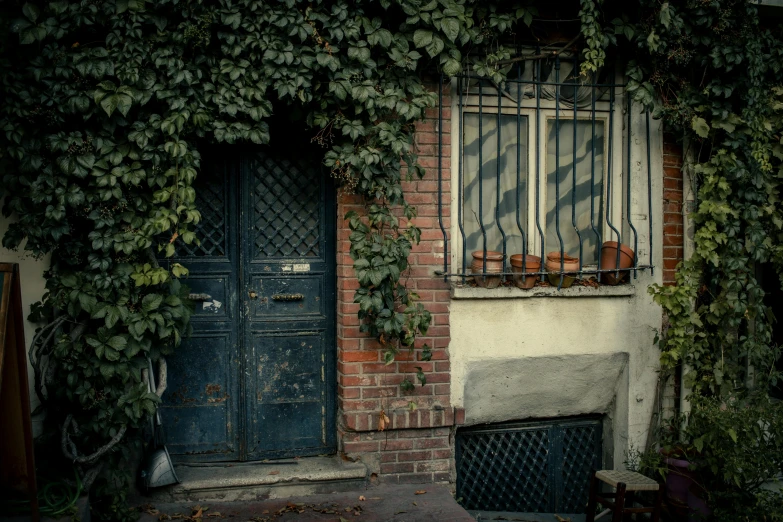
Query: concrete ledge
{"type": "Point", "coordinates": [512, 292]}
{"type": "Point", "coordinates": [263, 480]}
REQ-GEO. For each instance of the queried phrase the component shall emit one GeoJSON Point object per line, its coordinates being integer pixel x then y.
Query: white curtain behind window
{"type": "Point", "coordinates": [513, 197]}
{"type": "Point", "coordinates": [565, 177]}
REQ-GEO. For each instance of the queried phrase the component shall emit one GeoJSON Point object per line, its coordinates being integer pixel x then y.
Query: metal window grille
{"type": "Point", "coordinates": [529, 467]}
{"type": "Point", "coordinates": [544, 164]}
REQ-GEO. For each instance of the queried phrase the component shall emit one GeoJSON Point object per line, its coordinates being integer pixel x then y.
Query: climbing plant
{"type": "Point", "coordinates": [712, 72]}
{"type": "Point", "coordinates": [105, 105]}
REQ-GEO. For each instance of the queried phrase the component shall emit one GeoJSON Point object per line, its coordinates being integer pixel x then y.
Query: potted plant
{"type": "Point", "coordinates": [737, 449]}
{"type": "Point", "coordinates": [678, 476]}
{"type": "Point", "coordinates": [482, 273]}
{"type": "Point", "coordinates": [570, 266]}
{"type": "Point", "coordinates": [609, 261]}
{"type": "Point", "coordinates": [524, 264]}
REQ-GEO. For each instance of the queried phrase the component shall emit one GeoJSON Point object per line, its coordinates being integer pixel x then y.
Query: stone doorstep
{"type": "Point", "coordinates": [371, 503]}
{"type": "Point", "coordinates": [261, 480]}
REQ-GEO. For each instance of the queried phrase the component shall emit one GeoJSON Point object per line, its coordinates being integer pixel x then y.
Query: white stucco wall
{"type": "Point", "coordinates": [32, 283]}
{"type": "Point", "coordinates": [515, 357]}
{"type": "Point", "coordinates": [584, 354]}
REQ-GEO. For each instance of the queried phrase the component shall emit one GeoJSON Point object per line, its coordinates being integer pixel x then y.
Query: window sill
{"type": "Point", "coordinates": [459, 291]}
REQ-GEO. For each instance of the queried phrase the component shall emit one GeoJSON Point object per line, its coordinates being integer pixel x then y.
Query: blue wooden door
{"type": "Point", "coordinates": [256, 378]}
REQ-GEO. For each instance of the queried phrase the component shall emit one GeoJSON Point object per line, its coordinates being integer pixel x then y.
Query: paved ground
{"type": "Point", "coordinates": [383, 503]}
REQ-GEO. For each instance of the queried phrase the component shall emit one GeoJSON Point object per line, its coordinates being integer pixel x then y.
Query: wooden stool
{"type": "Point", "coordinates": [626, 483]}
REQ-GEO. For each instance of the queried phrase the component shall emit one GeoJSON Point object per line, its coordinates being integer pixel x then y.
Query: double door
{"type": "Point", "coordinates": [256, 379]}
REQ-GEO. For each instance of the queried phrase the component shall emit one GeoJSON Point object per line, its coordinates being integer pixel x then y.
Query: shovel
{"type": "Point", "coordinates": [158, 469]}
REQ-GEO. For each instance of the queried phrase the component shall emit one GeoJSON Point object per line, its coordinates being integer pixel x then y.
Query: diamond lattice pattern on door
{"type": "Point", "coordinates": [287, 211]}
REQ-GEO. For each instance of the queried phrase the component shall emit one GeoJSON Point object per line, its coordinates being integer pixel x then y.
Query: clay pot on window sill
{"type": "Point", "coordinates": [609, 261]}
{"type": "Point", "coordinates": [532, 264]}
{"type": "Point", "coordinates": [570, 268]}
{"type": "Point", "coordinates": [494, 265]}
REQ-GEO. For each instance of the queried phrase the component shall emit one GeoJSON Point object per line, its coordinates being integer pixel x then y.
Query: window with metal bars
{"type": "Point", "coordinates": [543, 165]}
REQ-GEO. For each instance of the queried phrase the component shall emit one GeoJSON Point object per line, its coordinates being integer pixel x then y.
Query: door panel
{"type": "Point", "coordinates": [201, 405]}
{"type": "Point", "coordinates": [290, 273]}
{"type": "Point", "coordinates": [256, 379]}
{"type": "Point", "coordinates": [289, 407]}
{"type": "Point", "coordinates": [287, 218]}
{"type": "Point", "coordinates": [285, 297]}
{"type": "Point", "coordinates": [201, 416]}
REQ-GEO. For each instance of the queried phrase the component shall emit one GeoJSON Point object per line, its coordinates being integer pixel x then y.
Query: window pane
{"type": "Point", "coordinates": [585, 145]}
{"type": "Point", "coordinates": [513, 184]}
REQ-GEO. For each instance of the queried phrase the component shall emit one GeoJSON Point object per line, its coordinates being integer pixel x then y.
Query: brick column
{"type": "Point", "coordinates": [416, 446]}
{"type": "Point", "coordinates": [672, 207]}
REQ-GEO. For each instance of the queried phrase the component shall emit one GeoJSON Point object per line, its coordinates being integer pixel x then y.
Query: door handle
{"type": "Point", "coordinates": [287, 297]}
{"type": "Point", "coordinates": [252, 294]}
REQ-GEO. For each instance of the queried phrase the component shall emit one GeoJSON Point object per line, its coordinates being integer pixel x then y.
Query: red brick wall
{"type": "Point", "coordinates": [415, 448]}
{"type": "Point", "coordinates": [673, 231]}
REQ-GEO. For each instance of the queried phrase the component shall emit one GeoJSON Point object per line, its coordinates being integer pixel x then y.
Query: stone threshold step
{"type": "Point", "coordinates": [372, 503]}
{"type": "Point", "coordinates": [235, 481]}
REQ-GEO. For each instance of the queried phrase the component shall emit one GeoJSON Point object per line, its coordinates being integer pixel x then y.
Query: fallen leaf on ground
{"type": "Point", "coordinates": [415, 504]}
{"type": "Point", "coordinates": [421, 492]}
{"type": "Point", "coordinates": [361, 497]}
{"type": "Point", "coordinates": [561, 519]}
{"type": "Point", "coordinates": [274, 472]}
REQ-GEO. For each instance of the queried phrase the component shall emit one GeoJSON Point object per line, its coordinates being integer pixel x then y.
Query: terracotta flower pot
{"type": "Point", "coordinates": [609, 261]}
{"type": "Point", "coordinates": [570, 266]}
{"type": "Point", "coordinates": [494, 265]}
{"type": "Point", "coordinates": [532, 264]}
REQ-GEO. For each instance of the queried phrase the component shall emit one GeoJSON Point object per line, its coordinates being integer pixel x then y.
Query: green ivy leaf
{"type": "Point", "coordinates": [422, 38]}
{"type": "Point", "coordinates": [31, 11]}
{"type": "Point", "coordinates": [151, 302]}
{"type": "Point", "coordinates": [450, 27]}
{"type": "Point", "coordinates": [666, 16]}
{"type": "Point", "coordinates": [700, 127]}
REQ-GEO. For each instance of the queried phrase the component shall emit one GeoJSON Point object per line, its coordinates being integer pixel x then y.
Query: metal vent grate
{"type": "Point", "coordinates": [528, 467]}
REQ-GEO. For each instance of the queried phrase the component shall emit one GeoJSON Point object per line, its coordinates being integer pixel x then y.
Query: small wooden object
{"type": "Point", "coordinates": [626, 484]}
{"type": "Point", "coordinates": [17, 465]}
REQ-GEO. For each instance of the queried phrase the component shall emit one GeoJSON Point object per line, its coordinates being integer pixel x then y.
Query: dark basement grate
{"type": "Point", "coordinates": [530, 467]}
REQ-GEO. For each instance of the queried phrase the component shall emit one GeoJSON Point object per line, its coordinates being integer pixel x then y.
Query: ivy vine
{"type": "Point", "coordinates": [713, 73]}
